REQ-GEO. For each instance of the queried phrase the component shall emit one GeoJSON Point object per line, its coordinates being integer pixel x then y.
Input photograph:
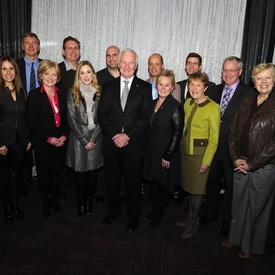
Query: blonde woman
{"type": "Point", "coordinates": [84, 147]}
{"type": "Point", "coordinates": [47, 116]}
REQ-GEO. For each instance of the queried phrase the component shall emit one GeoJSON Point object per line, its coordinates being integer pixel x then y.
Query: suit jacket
{"type": "Point", "coordinates": [182, 85]}
{"type": "Point", "coordinates": [41, 117]}
{"type": "Point", "coordinates": [22, 69]}
{"type": "Point", "coordinates": [134, 119]}
{"type": "Point", "coordinates": [13, 119]}
{"type": "Point", "coordinates": [243, 91]}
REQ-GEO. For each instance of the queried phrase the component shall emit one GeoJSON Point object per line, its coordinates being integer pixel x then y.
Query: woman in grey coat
{"type": "Point", "coordinates": [84, 146]}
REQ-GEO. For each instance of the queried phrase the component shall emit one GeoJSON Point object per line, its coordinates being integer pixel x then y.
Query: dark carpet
{"type": "Point", "coordinates": [67, 244]}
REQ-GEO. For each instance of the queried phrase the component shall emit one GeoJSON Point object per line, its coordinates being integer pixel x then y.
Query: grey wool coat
{"type": "Point", "coordinates": [78, 158]}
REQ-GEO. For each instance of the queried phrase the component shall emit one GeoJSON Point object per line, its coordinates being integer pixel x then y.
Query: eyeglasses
{"type": "Point", "coordinates": [229, 71]}
{"type": "Point", "coordinates": [195, 64]}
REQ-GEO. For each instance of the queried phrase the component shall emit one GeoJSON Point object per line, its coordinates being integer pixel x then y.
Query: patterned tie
{"type": "Point", "coordinates": [225, 99]}
{"type": "Point", "coordinates": [124, 95]}
{"type": "Point", "coordinates": [32, 79]}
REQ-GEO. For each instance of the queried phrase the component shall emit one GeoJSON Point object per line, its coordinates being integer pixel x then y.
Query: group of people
{"type": "Point", "coordinates": [72, 122]}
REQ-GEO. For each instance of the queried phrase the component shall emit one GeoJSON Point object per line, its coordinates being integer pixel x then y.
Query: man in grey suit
{"type": "Point", "coordinates": [124, 114]}
{"type": "Point", "coordinates": [221, 170]}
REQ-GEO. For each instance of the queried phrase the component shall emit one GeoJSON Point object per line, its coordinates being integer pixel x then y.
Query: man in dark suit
{"type": "Point", "coordinates": [30, 44]}
{"type": "Point", "coordinates": [221, 170]}
{"type": "Point", "coordinates": [124, 114]}
{"type": "Point", "coordinates": [193, 64]}
{"type": "Point", "coordinates": [111, 71]}
{"type": "Point", "coordinates": [71, 54]}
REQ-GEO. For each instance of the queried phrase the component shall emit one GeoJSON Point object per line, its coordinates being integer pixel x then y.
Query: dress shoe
{"type": "Point", "coordinates": [109, 218]}
{"type": "Point", "coordinates": [89, 206]}
{"type": "Point", "coordinates": [123, 199]}
{"type": "Point", "coordinates": [148, 217]}
{"type": "Point", "coordinates": [132, 225]}
{"type": "Point", "coordinates": [58, 209]}
{"type": "Point", "coordinates": [46, 214]}
{"type": "Point", "coordinates": [18, 212]}
{"type": "Point", "coordinates": [224, 233]}
{"type": "Point", "coordinates": [23, 193]}
{"type": "Point", "coordinates": [8, 218]}
{"type": "Point", "coordinates": [99, 199]}
{"type": "Point", "coordinates": [206, 220]}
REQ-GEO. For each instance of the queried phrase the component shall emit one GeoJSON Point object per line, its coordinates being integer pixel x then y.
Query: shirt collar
{"type": "Point", "coordinates": [29, 62]}
{"type": "Point", "coordinates": [42, 89]}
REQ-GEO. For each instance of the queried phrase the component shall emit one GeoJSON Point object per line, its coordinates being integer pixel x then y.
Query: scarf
{"type": "Point", "coordinates": [88, 92]}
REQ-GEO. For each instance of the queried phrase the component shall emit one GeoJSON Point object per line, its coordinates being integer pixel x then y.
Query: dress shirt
{"type": "Point", "coordinates": [28, 66]}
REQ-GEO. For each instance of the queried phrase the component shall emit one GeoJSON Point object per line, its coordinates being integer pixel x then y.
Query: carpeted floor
{"type": "Point", "coordinates": [67, 244]}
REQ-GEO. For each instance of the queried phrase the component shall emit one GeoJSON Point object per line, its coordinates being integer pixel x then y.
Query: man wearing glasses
{"type": "Point", "coordinates": [229, 95]}
{"type": "Point", "coordinates": [193, 64]}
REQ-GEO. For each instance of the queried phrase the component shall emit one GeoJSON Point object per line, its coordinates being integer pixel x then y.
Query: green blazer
{"type": "Point", "coordinates": [201, 129]}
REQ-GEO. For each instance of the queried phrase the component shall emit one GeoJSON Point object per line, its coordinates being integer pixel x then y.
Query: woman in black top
{"type": "Point", "coordinates": [14, 136]}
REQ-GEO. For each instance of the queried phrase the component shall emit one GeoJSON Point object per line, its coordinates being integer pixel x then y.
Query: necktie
{"type": "Point", "coordinates": [32, 79]}
{"type": "Point", "coordinates": [124, 95]}
{"type": "Point", "coordinates": [225, 99]}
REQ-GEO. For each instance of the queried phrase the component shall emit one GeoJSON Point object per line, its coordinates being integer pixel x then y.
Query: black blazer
{"type": "Point", "coordinates": [22, 69]}
{"type": "Point", "coordinates": [13, 120]}
{"type": "Point", "coordinates": [183, 85]}
{"type": "Point", "coordinates": [41, 117]}
{"type": "Point", "coordinates": [243, 91]}
{"type": "Point", "coordinates": [134, 119]}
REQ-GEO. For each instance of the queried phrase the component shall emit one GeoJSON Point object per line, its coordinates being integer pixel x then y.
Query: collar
{"type": "Point", "coordinates": [42, 89]}
{"type": "Point", "coordinates": [29, 62]}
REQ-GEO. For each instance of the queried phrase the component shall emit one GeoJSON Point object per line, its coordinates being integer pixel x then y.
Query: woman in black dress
{"type": "Point", "coordinates": [14, 136]}
{"type": "Point", "coordinates": [162, 162]}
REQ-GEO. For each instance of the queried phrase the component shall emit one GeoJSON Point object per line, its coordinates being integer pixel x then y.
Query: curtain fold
{"type": "Point", "coordinates": [173, 28]}
{"type": "Point", "coordinates": [258, 35]}
{"type": "Point", "coordinates": [15, 19]}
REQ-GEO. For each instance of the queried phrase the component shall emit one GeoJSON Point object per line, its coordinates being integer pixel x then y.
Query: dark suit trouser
{"type": "Point", "coordinates": [220, 171]}
{"type": "Point", "coordinates": [130, 169]}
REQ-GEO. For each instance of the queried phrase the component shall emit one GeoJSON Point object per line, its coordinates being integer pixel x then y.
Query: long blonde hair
{"type": "Point", "coordinates": [76, 87]}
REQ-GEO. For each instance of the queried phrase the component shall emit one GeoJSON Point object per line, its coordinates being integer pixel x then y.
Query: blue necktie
{"type": "Point", "coordinates": [225, 99]}
{"type": "Point", "coordinates": [32, 79]}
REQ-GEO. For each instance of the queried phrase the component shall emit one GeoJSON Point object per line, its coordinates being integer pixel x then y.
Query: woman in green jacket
{"type": "Point", "coordinates": [198, 145]}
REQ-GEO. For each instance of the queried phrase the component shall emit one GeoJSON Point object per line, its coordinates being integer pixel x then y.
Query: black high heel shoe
{"type": "Point", "coordinates": [8, 215]}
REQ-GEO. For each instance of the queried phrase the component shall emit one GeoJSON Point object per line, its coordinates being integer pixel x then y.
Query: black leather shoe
{"type": "Point", "coordinates": [46, 214]}
{"type": "Point", "coordinates": [99, 199]}
{"type": "Point", "coordinates": [132, 225]}
{"type": "Point", "coordinates": [148, 217]}
{"type": "Point", "coordinates": [8, 219]}
{"type": "Point", "coordinates": [224, 233]}
{"type": "Point", "coordinates": [58, 209]}
{"type": "Point", "coordinates": [109, 218]}
{"type": "Point", "coordinates": [18, 213]}
{"type": "Point", "coordinates": [207, 220]}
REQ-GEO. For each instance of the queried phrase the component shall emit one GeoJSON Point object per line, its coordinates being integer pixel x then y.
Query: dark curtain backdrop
{"type": "Point", "coordinates": [15, 16]}
{"type": "Point", "coordinates": [259, 35]}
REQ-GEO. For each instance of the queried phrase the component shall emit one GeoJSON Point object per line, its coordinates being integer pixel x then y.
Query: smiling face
{"type": "Point", "coordinates": [71, 51]}
{"type": "Point", "coordinates": [155, 65]}
{"type": "Point", "coordinates": [86, 74]}
{"type": "Point", "coordinates": [264, 82]}
{"type": "Point", "coordinates": [231, 72]}
{"type": "Point", "coordinates": [196, 89]}
{"type": "Point", "coordinates": [164, 87]}
{"type": "Point", "coordinates": [31, 47]}
{"type": "Point", "coordinates": [192, 65]}
{"type": "Point", "coordinates": [127, 64]}
{"type": "Point", "coordinates": [49, 78]}
{"type": "Point", "coordinates": [112, 54]}
{"type": "Point", "coordinates": [7, 72]}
